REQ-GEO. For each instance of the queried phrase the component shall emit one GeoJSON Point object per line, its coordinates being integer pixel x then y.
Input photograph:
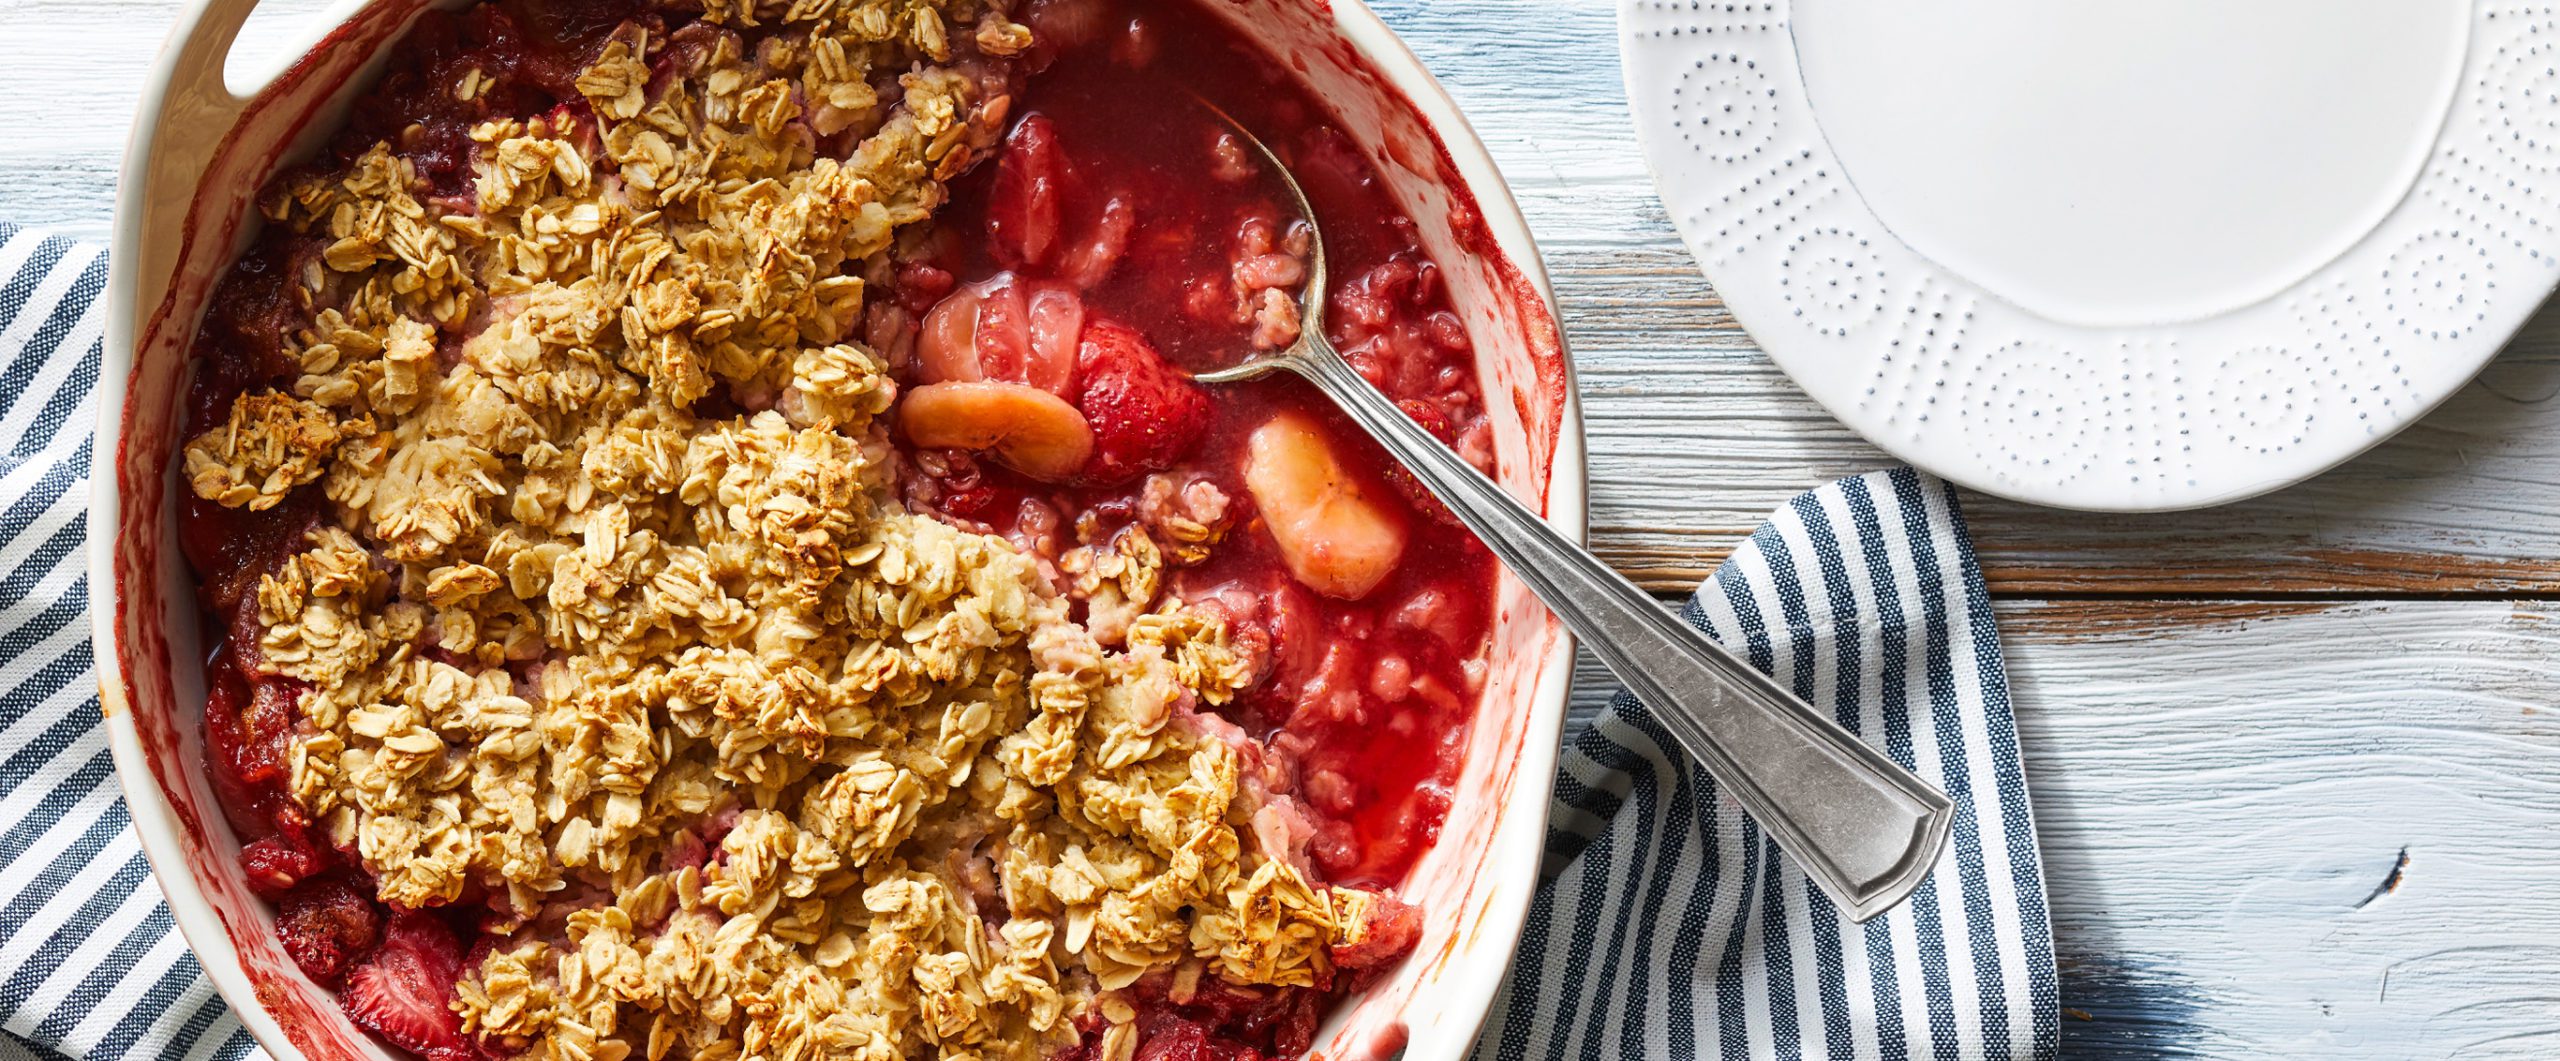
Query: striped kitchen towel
{"type": "Point", "coordinates": [90, 966]}
{"type": "Point", "coordinates": [1672, 931]}
{"type": "Point", "coordinates": [1670, 927]}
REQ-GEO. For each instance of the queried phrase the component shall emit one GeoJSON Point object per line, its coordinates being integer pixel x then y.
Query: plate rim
{"type": "Point", "coordinates": [1646, 77]}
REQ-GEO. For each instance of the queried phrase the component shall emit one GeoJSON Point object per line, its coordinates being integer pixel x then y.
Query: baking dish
{"type": "Point", "coordinates": [203, 149]}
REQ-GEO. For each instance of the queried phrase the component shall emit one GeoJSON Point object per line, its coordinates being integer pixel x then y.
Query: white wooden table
{"type": "Point", "coordinates": [2296, 762]}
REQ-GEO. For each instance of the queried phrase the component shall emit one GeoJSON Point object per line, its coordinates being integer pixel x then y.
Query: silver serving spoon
{"type": "Point", "coordinates": [1863, 828]}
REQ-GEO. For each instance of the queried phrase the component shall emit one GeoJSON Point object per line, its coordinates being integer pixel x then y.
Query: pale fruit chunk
{"type": "Point", "coordinates": [1338, 535]}
{"type": "Point", "coordinates": [1024, 428]}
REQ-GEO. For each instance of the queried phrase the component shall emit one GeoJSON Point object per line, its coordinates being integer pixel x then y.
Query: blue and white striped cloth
{"type": "Point", "coordinates": [89, 963]}
{"type": "Point", "coordinates": [1671, 928]}
{"type": "Point", "coordinates": [1672, 932]}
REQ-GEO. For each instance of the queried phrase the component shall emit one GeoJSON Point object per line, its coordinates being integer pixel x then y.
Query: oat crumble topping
{"type": "Point", "coordinates": [749, 759]}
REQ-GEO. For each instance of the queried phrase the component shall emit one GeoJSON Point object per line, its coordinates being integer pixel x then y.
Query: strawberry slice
{"type": "Point", "coordinates": [1089, 262]}
{"type": "Point", "coordinates": [243, 801]}
{"type": "Point", "coordinates": [404, 993]}
{"type": "Point", "coordinates": [324, 924]}
{"type": "Point", "coordinates": [1022, 207]}
{"type": "Point", "coordinates": [1145, 415]}
{"type": "Point", "coordinates": [1003, 329]}
{"type": "Point", "coordinates": [277, 864]}
{"type": "Point", "coordinates": [1175, 1039]}
{"type": "Point", "coordinates": [1059, 26]}
{"type": "Point", "coordinates": [1386, 933]}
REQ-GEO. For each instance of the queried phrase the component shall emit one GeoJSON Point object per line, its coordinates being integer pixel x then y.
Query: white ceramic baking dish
{"type": "Point", "coordinates": [200, 153]}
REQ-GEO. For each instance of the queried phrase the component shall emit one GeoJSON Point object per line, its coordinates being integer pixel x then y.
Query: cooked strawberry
{"type": "Point", "coordinates": [1062, 25]}
{"type": "Point", "coordinates": [1419, 496]}
{"type": "Point", "coordinates": [1057, 329]}
{"type": "Point", "coordinates": [1006, 330]}
{"type": "Point", "coordinates": [1237, 1024]}
{"type": "Point", "coordinates": [1022, 207]}
{"type": "Point", "coordinates": [1175, 1039]}
{"type": "Point", "coordinates": [246, 724]}
{"type": "Point", "coordinates": [324, 925]}
{"type": "Point", "coordinates": [1145, 415]}
{"type": "Point", "coordinates": [1387, 931]}
{"type": "Point", "coordinates": [275, 864]}
{"type": "Point", "coordinates": [1293, 1029]}
{"type": "Point", "coordinates": [977, 501]}
{"type": "Point", "coordinates": [243, 802]}
{"type": "Point", "coordinates": [921, 284]}
{"type": "Point", "coordinates": [1001, 340]}
{"type": "Point", "coordinates": [404, 992]}
{"type": "Point", "coordinates": [1091, 260]}
{"type": "Point", "coordinates": [953, 483]}
{"type": "Point", "coordinates": [264, 728]}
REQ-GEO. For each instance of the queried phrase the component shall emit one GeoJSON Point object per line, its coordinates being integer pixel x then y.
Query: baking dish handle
{"type": "Point", "coordinates": [174, 144]}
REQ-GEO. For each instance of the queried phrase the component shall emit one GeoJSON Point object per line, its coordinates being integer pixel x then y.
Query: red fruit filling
{"type": "Point", "coordinates": [327, 924]}
{"type": "Point", "coordinates": [404, 991]}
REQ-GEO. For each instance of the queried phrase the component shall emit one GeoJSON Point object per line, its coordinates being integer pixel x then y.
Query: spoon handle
{"type": "Point", "coordinates": [1865, 829]}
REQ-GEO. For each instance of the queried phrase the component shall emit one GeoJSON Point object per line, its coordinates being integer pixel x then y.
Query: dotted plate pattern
{"type": "Point", "coordinates": [1951, 378]}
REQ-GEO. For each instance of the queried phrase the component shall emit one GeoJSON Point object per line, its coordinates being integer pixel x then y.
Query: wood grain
{"type": "Point", "coordinates": [2225, 795]}
{"type": "Point", "coordinates": [1695, 436]}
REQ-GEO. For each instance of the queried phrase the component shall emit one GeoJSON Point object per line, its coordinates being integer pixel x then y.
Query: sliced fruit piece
{"type": "Point", "coordinates": [1057, 327]}
{"type": "Point", "coordinates": [247, 723]}
{"type": "Point", "coordinates": [1006, 330]}
{"type": "Point", "coordinates": [324, 925]}
{"type": "Point", "coordinates": [1024, 428]}
{"type": "Point", "coordinates": [1090, 261]}
{"type": "Point", "coordinates": [1337, 535]}
{"type": "Point", "coordinates": [1002, 339]}
{"type": "Point", "coordinates": [947, 343]}
{"type": "Point", "coordinates": [1176, 1039]}
{"type": "Point", "coordinates": [243, 802]}
{"type": "Point", "coordinates": [1146, 416]}
{"type": "Point", "coordinates": [275, 864]}
{"type": "Point", "coordinates": [404, 992]}
{"type": "Point", "coordinates": [1022, 207]}
{"type": "Point", "coordinates": [1385, 930]}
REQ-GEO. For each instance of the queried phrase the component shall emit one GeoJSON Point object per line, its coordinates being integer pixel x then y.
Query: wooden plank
{"type": "Point", "coordinates": [74, 72]}
{"type": "Point", "coordinates": [2225, 794]}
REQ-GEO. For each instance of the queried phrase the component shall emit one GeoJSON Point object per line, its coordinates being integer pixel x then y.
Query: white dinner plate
{"type": "Point", "coordinates": [2104, 255]}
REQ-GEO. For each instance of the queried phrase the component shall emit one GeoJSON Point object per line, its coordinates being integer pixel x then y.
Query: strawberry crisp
{"type": "Point", "coordinates": [714, 550]}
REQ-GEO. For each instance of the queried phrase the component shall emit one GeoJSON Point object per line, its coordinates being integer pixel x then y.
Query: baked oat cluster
{"type": "Point", "coordinates": [614, 624]}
